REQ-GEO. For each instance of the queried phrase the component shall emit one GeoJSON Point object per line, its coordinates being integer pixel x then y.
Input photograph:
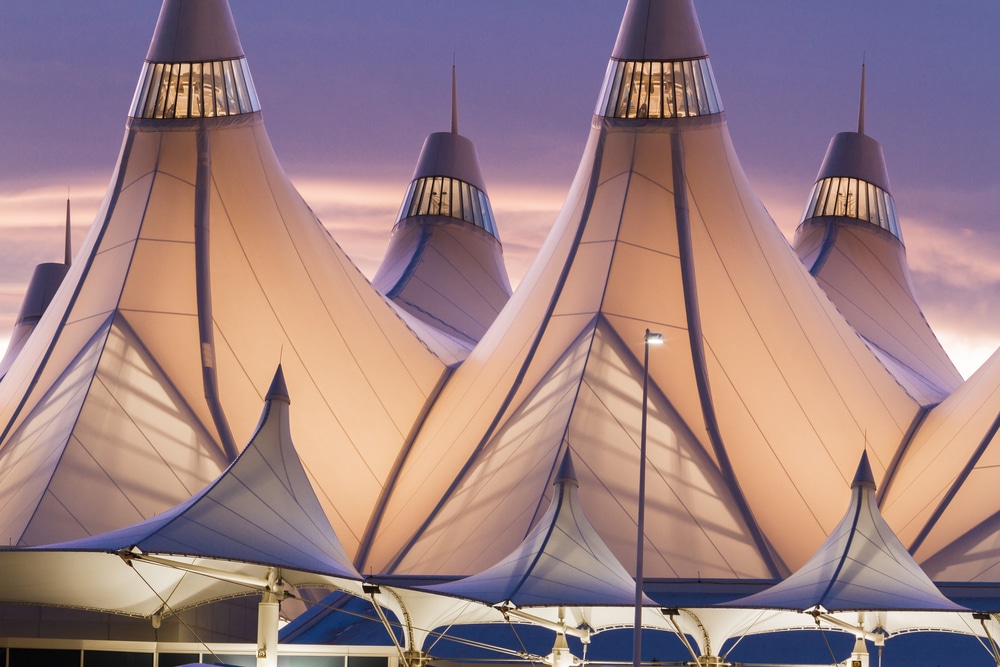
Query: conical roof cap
{"type": "Point", "coordinates": [864, 475]}
{"type": "Point", "coordinates": [855, 155]}
{"type": "Point", "coordinates": [195, 31]}
{"type": "Point", "coordinates": [660, 30]}
{"type": "Point", "coordinates": [278, 390]}
{"type": "Point", "coordinates": [450, 154]}
{"type": "Point", "coordinates": [567, 473]}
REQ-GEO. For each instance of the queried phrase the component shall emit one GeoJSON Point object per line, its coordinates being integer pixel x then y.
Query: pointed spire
{"type": "Point", "coordinates": [68, 256]}
{"type": "Point", "coordinates": [454, 99]}
{"type": "Point", "coordinates": [278, 391]}
{"type": "Point", "coordinates": [864, 475]}
{"type": "Point", "coordinates": [567, 473]}
{"type": "Point", "coordinates": [861, 109]}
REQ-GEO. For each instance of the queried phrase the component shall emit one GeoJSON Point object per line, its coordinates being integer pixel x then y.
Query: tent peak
{"type": "Point", "coordinates": [194, 31]}
{"type": "Point", "coordinates": [864, 475]}
{"type": "Point", "coordinates": [660, 30]}
{"type": "Point", "coordinates": [278, 390]}
{"type": "Point", "coordinates": [567, 473]}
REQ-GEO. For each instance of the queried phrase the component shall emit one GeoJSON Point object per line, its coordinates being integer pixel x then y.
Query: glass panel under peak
{"type": "Point", "coordinates": [659, 89]}
{"type": "Point", "coordinates": [853, 198]}
{"type": "Point", "coordinates": [194, 90]}
{"type": "Point", "coordinates": [448, 197]}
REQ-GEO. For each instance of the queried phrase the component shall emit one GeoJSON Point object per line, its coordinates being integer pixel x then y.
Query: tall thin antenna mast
{"type": "Point", "coordinates": [861, 109]}
{"type": "Point", "coordinates": [454, 97]}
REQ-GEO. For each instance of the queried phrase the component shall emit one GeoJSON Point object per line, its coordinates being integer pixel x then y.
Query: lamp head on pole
{"type": "Point", "coordinates": [652, 338]}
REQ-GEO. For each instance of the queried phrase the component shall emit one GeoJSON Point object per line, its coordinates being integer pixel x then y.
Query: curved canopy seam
{"type": "Point", "coordinates": [847, 547]}
{"type": "Point", "coordinates": [685, 246]}
{"type": "Point", "coordinates": [956, 485]}
{"type": "Point", "coordinates": [591, 331]}
{"type": "Point", "coordinates": [411, 267]}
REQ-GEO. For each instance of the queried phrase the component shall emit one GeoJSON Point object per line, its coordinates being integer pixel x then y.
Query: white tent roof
{"type": "Point", "coordinates": [260, 513]}
{"type": "Point", "coordinates": [758, 400]}
{"type": "Point", "coordinates": [204, 268]}
{"type": "Point", "coordinates": [861, 566]}
{"type": "Point", "coordinates": [444, 263]}
{"type": "Point", "coordinates": [939, 498]}
{"type": "Point", "coordinates": [562, 562]}
{"type": "Point", "coordinates": [849, 240]}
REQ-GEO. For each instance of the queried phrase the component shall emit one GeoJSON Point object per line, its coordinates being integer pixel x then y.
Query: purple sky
{"type": "Point", "coordinates": [350, 89]}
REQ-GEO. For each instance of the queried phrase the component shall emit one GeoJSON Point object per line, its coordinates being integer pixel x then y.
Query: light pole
{"type": "Point", "coordinates": [647, 340]}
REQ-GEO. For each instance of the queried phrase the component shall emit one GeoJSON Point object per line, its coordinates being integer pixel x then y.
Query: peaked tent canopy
{"type": "Point", "coordinates": [202, 270]}
{"type": "Point", "coordinates": [562, 572]}
{"type": "Point", "coordinates": [444, 263]}
{"type": "Point", "coordinates": [260, 514]}
{"type": "Point", "coordinates": [752, 400]}
{"type": "Point", "coordinates": [862, 566]}
{"type": "Point", "coordinates": [562, 562]}
{"type": "Point", "coordinates": [850, 239]}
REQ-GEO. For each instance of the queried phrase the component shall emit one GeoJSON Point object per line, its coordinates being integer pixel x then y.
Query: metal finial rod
{"type": "Point", "coordinates": [861, 109]}
{"type": "Point", "coordinates": [454, 98]}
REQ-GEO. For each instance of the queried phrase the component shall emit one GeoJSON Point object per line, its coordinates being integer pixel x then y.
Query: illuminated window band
{"type": "Point", "coordinates": [195, 90]}
{"type": "Point", "coordinates": [449, 197]}
{"type": "Point", "coordinates": [853, 198]}
{"type": "Point", "coordinates": [673, 89]}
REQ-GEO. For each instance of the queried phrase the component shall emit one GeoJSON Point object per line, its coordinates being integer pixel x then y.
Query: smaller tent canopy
{"type": "Point", "coordinates": [862, 566]}
{"type": "Point", "coordinates": [204, 266]}
{"type": "Point", "coordinates": [850, 239]}
{"type": "Point", "coordinates": [563, 571]}
{"type": "Point", "coordinates": [562, 562]}
{"type": "Point", "coordinates": [260, 513]}
{"type": "Point", "coordinates": [444, 264]}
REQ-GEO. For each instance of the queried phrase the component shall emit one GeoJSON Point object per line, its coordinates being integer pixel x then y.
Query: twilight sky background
{"type": "Point", "coordinates": [350, 90]}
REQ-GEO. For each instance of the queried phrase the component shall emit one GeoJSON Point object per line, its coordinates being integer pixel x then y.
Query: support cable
{"type": "Point", "coordinates": [170, 611]}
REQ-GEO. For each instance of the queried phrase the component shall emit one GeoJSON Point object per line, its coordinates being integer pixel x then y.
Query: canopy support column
{"type": "Point", "coordinates": [267, 627]}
